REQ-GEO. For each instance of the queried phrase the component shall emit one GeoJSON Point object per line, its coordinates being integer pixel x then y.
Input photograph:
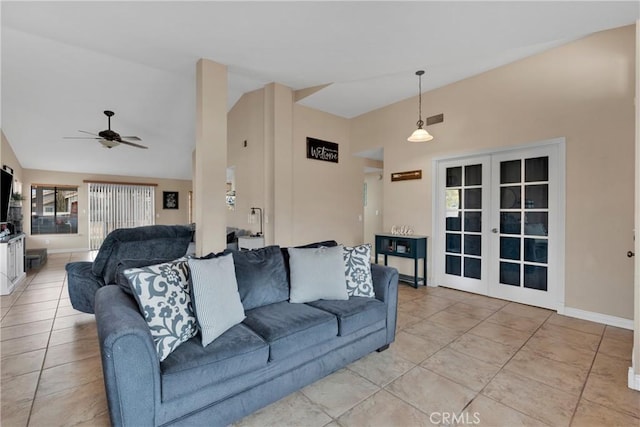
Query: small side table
{"type": "Point", "coordinates": [413, 247]}
{"type": "Point", "coordinates": [250, 242]}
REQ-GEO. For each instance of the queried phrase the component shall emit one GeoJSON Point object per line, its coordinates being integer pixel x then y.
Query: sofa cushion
{"type": "Point", "coordinates": [214, 291]}
{"type": "Point", "coordinates": [285, 253]}
{"type": "Point", "coordinates": [121, 279]}
{"type": "Point", "coordinates": [317, 273]}
{"type": "Point", "coordinates": [163, 295]}
{"type": "Point", "coordinates": [353, 314]}
{"type": "Point", "coordinates": [192, 366]}
{"type": "Point", "coordinates": [357, 265]}
{"type": "Point", "coordinates": [261, 276]}
{"type": "Point", "coordinates": [290, 328]}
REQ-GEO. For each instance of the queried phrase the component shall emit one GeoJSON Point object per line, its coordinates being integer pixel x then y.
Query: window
{"type": "Point", "coordinates": [113, 205]}
{"type": "Point", "coordinates": [54, 209]}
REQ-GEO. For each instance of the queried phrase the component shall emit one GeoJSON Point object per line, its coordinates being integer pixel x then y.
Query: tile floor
{"type": "Point", "coordinates": [486, 361]}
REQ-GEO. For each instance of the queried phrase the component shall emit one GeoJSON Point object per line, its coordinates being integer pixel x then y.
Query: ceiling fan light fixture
{"type": "Point", "coordinates": [420, 135]}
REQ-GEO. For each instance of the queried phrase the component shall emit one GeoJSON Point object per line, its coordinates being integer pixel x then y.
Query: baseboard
{"type": "Point", "coordinates": [596, 317]}
{"type": "Point", "coordinates": [634, 379]}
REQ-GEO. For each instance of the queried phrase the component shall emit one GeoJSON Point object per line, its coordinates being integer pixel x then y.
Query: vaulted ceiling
{"type": "Point", "coordinates": [63, 63]}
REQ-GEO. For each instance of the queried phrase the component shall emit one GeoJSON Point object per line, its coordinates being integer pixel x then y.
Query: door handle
{"type": "Point", "coordinates": [494, 230]}
{"type": "Point", "coordinates": [630, 254]}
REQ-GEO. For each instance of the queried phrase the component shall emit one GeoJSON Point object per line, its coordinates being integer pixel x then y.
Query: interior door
{"type": "Point", "coordinates": [463, 216]}
{"type": "Point", "coordinates": [498, 225]}
{"type": "Point", "coordinates": [524, 217]}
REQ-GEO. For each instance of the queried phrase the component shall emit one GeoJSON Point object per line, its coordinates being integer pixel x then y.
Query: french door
{"type": "Point", "coordinates": [464, 218]}
{"type": "Point", "coordinates": [498, 230]}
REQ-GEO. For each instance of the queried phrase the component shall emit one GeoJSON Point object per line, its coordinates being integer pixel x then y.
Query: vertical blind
{"type": "Point", "coordinates": [113, 206]}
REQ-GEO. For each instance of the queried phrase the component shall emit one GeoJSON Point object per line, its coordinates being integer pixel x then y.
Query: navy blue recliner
{"type": "Point", "coordinates": [133, 247]}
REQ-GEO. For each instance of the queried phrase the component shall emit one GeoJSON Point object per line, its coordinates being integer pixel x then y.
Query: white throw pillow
{"type": "Point", "coordinates": [317, 273]}
{"type": "Point", "coordinates": [357, 265]}
{"type": "Point", "coordinates": [215, 295]}
{"type": "Point", "coordinates": [162, 292]}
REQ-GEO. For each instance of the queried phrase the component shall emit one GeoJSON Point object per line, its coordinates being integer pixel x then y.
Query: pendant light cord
{"type": "Point", "coordinates": [420, 122]}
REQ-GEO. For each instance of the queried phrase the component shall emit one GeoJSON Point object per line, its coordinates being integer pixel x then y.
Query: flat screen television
{"type": "Point", "coordinates": [6, 184]}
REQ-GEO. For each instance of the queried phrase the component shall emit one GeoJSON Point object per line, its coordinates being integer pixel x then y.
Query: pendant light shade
{"type": "Point", "coordinates": [420, 135]}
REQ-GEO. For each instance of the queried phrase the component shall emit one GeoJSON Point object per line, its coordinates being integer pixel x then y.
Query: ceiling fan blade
{"type": "Point", "coordinates": [78, 137]}
{"type": "Point", "coordinates": [133, 138]}
{"type": "Point", "coordinates": [133, 144]}
{"type": "Point", "coordinates": [90, 133]}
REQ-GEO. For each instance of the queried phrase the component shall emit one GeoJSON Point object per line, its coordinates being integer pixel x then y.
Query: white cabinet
{"type": "Point", "coordinates": [11, 263]}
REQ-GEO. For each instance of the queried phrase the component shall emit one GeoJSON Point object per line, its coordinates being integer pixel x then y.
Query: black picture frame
{"type": "Point", "coordinates": [170, 200]}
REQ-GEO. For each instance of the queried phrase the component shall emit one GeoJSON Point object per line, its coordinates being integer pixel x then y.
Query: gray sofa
{"type": "Point", "coordinates": [278, 348]}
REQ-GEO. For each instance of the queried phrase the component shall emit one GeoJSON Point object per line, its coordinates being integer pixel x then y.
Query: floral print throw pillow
{"type": "Point", "coordinates": [357, 264]}
{"type": "Point", "coordinates": [164, 298]}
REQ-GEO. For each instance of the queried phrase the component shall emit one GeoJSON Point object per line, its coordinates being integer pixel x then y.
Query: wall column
{"type": "Point", "coordinates": [278, 166]}
{"type": "Point", "coordinates": [210, 163]}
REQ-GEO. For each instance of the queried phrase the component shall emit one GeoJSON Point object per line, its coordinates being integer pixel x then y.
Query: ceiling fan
{"type": "Point", "coordinates": [109, 138]}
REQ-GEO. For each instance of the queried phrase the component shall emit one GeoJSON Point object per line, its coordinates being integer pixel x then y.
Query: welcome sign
{"type": "Point", "coordinates": [318, 149]}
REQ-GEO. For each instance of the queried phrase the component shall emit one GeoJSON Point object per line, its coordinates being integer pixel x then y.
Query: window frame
{"type": "Point", "coordinates": [44, 222]}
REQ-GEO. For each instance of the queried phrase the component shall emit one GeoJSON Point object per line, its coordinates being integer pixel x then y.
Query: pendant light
{"type": "Point", "coordinates": [420, 135]}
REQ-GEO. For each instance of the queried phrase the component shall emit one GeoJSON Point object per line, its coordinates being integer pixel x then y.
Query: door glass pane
{"type": "Point", "coordinates": [473, 221]}
{"type": "Point", "coordinates": [473, 175]}
{"type": "Point", "coordinates": [510, 248]}
{"type": "Point", "coordinates": [453, 221]}
{"type": "Point", "coordinates": [536, 196]}
{"type": "Point", "coordinates": [473, 198]}
{"type": "Point", "coordinates": [453, 200]}
{"type": "Point", "coordinates": [536, 169]}
{"type": "Point", "coordinates": [510, 222]}
{"type": "Point", "coordinates": [510, 273]}
{"type": "Point", "coordinates": [535, 223]}
{"type": "Point", "coordinates": [535, 277]}
{"type": "Point", "coordinates": [510, 172]}
{"type": "Point", "coordinates": [454, 243]}
{"type": "Point", "coordinates": [510, 197]}
{"type": "Point", "coordinates": [472, 268]}
{"type": "Point", "coordinates": [454, 177]}
{"type": "Point", "coordinates": [453, 265]}
{"type": "Point", "coordinates": [535, 250]}
{"type": "Point", "coordinates": [472, 244]}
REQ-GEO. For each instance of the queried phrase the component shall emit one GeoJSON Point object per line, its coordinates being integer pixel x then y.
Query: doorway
{"type": "Point", "coordinates": [499, 224]}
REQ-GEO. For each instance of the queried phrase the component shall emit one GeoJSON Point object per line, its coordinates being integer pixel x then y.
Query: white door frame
{"type": "Point", "coordinates": [560, 144]}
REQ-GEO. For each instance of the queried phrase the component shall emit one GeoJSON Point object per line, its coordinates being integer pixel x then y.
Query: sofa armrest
{"type": "Point", "coordinates": [385, 285]}
{"type": "Point", "coordinates": [129, 360]}
{"type": "Point", "coordinates": [83, 285]}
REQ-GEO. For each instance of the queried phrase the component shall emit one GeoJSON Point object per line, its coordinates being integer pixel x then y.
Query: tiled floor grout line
{"type": "Point", "coordinates": [584, 385]}
{"type": "Point", "coordinates": [478, 393]}
{"type": "Point", "coordinates": [46, 351]}
{"type": "Point", "coordinates": [506, 363]}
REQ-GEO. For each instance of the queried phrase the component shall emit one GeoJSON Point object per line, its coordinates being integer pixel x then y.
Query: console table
{"type": "Point", "coordinates": [414, 247]}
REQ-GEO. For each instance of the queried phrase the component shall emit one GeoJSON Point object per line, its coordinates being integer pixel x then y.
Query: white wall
{"type": "Point", "coordinates": [374, 208]}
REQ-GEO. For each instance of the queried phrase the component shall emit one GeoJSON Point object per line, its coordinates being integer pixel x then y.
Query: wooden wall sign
{"type": "Point", "coordinates": [318, 149]}
{"type": "Point", "coordinates": [404, 176]}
